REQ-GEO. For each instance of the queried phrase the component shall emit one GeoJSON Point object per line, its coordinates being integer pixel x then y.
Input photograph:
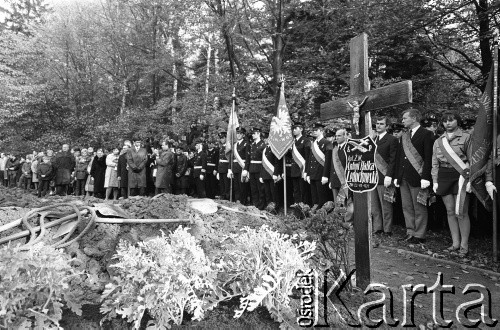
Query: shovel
{"type": "Point", "coordinates": [209, 206]}
{"type": "Point", "coordinates": [114, 214]}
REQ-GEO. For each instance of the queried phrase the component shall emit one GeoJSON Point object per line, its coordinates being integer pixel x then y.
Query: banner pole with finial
{"type": "Point", "coordinates": [231, 141]}
{"type": "Point", "coordinates": [495, 133]}
{"type": "Point", "coordinates": [282, 80]}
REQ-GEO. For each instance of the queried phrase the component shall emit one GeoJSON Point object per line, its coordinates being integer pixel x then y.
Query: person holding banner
{"type": "Point", "coordinates": [414, 175]}
{"type": "Point", "coordinates": [301, 149]}
{"type": "Point", "coordinates": [269, 176]}
{"type": "Point", "coordinates": [239, 174]}
{"type": "Point", "coordinates": [321, 150]}
{"type": "Point", "coordinates": [384, 194]}
{"type": "Point", "coordinates": [450, 174]}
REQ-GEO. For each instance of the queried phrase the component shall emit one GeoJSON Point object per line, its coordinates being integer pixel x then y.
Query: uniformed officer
{"type": "Point", "coordinates": [398, 130]}
{"type": "Point", "coordinates": [212, 158]}
{"type": "Point", "coordinates": [222, 168]}
{"type": "Point", "coordinates": [240, 151]}
{"type": "Point", "coordinates": [301, 150]}
{"type": "Point", "coordinates": [330, 134]}
{"type": "Point", "coordinates": [200, 169]}
{"type": "Point", "coordinates": [269, 175]}
{"type": "Point", "coordinates": [253, 166]}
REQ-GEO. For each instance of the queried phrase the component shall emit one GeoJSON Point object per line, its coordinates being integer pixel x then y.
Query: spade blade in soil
{"type": "Point", "coordinates": [205, 206]}
{"type": "Point", "coordinates": [110, 210]}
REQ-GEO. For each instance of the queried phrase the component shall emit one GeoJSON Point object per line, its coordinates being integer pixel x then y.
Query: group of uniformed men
{"type": "Point", "coordinates": [314, 170]}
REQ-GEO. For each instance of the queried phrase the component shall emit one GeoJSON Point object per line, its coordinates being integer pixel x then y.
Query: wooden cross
{"type": "Point", "coordinates": [388, 96]}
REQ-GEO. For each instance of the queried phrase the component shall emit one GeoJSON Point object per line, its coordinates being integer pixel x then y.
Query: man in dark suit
{"type": "Point", "coordinates": [414, 175]}
{"type": "Point", "coordinates": [387, 148]}
{"type": "Point", "coordinates": [300, 151]}
{"type": "Point", "coordinates": [319, 163]}
{"type": "Point", "coordinates": [338, 153]}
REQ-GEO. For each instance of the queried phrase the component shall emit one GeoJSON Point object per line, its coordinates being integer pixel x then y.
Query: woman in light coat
{"type": "Point", "coordinates": [111, 177]}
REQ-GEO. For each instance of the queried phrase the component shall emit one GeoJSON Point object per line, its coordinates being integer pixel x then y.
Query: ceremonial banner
{"type": "Point", "coordinates": [231, 129]}
{"type": "Point", "coordinates": [481, 143]}
{"type": "Point", "coordinates": [280, 134]}
{"type": "Point", "coordinates": [361, 173]}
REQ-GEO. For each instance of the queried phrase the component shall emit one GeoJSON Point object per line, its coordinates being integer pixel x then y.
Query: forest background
{"type": "Point", "coordinates": [96, 72]}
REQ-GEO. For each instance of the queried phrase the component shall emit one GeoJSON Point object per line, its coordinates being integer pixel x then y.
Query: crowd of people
{"type": "Point", "coordinates": [415, 159]}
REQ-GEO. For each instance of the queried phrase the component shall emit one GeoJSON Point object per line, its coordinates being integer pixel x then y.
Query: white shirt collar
{"type": "Point", "coordinates": [342, 145]}
{"type": "Point", "coordinates": [381, 135]}
{"type": "Point", "coordinates": [414, 129]}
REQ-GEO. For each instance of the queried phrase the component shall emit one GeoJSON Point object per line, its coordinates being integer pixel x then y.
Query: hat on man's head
{"type": "Point", "coordinates": [468, 123]}
{"type": "Point", "coordinates": [426, 122]}
{"type": "Point", "coordinates": [318, 125]}
{"type": "Point", "coordinates": [431, 117]}
{"type": "Point", "coordinates": [241, 130]}
{"type": "Point", "coordinates": [297, 124]}
{"type": "Point", "coordinates": [330, 132]}
{"type": "Point", "coordinates": [256, 129]}
{"type": "Point", "coordinates": [397, 127]}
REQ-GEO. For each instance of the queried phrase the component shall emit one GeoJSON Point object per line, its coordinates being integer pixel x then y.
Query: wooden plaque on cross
{"type": "Point", "coordinates": [367, 100]}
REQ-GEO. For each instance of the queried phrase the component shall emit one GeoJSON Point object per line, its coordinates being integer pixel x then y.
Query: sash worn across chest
{"type": "Point", "coordinates": [381, 164]}
{"type": "Point", "coordinates": [297, 157]}
{"type": "Point", "coordinates": [340, 171]}
{"type": "Point", "coordinates": [461, 167]}
{"type": "Point", "coordinates": [267, 164]}
{"type": "Point", "coordinates": [240, 160]}
{"type": "Point", "coordinates": [412, 154]}
{"type": "Point", "coordinates": [318, 154]}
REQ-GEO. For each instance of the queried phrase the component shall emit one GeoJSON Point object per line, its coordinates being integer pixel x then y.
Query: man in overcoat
{"type": "Point", "coordinates": [64, 164]}
{"type": "Point", "coordinates": [164, 172]}
{"type": "Point", "coordinates": [137, 158]}
{"type": "Point", "coordinates": [122, 170]}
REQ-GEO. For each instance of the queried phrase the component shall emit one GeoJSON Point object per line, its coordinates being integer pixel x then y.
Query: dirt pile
{"type": "Point", "coordinates": [93, 253]}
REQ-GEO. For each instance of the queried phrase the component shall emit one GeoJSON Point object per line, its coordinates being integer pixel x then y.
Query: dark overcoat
{"type": "Point", "coordinates": [64, 164]}
{"type": "Point", "coordinates": [136, 161]}
{"type": "Point", "coordinates": [164, 172]}
{"type": "Point", "coordinates": [98, 172]}
{"type": "Point", "coordinates": [122, 171]}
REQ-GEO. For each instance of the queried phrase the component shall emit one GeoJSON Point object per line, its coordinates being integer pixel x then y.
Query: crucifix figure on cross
{"type": "Point", "coordinates": [380, 98]}
{"type": "Point", "coordinates": [355, 113]}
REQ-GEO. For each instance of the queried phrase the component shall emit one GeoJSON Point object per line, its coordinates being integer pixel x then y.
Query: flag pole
{"type": "Point", "coordinates": [232, 146]}
{"type": "Point", "coordinates": [495, 133]}
{"type": "Point", "coordinates": [284, 162]}
{"type": "Point", "coordinates": [284, 184]}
